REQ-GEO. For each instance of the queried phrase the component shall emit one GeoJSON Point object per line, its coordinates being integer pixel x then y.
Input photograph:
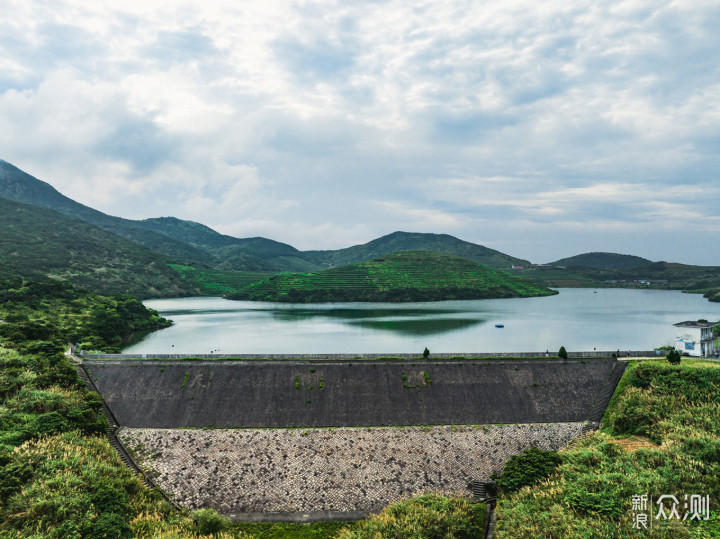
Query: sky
{"type": "Point", "coordinates": [541, 129]}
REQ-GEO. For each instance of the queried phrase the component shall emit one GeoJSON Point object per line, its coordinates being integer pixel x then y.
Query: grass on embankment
{"type": "Point", "coordinates": [675, 410]}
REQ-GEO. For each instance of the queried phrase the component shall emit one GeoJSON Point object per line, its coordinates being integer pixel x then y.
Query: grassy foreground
{"type": "Point", "coordinates": [673, 416]}
{"type": "Point", "coordinates": [59, 476]}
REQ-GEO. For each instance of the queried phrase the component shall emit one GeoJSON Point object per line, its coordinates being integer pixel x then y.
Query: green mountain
{"type": "Point", "coordinates": [413, 241]}
{"type": "Point", "coordinates": [198, 245]}
{"type": "Point", "coordinates": [399, 277]}
{"type": "Point", "coordinates": [20, 186]}
{"type": "Point", "coordinates": [602, 261]}
{"type": "Point", "coordinates": [37, 243]}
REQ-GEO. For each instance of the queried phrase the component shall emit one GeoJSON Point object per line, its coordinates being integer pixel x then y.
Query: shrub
{"type": "Point", "coordinates": [209, 522]}
{"type": "Point", "coordinates": [429, 516]}
{"type": "Point", "coordinates": [527, 468]}
{"type": "Point", "coordinates": [426, 353]}
{"type": "Point", "coordinates": [110, 526]}
{"type": "Point", "coordinates": [562, 353]}
{"type": "Point", "coordinates": [673, 357]}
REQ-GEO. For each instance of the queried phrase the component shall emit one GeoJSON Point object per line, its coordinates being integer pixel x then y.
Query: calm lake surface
{"type": "Point", "coordinates": [579, 319]}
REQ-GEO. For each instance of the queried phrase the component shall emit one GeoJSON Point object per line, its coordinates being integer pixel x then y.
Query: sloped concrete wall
{"type": "Point", "coordinates": [342, 393]}
{"type": "Point", "coordinates": [317, 471]}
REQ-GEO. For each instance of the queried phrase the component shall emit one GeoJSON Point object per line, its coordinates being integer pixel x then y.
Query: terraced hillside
{"type": "Point", "coordinates": [405, 276]}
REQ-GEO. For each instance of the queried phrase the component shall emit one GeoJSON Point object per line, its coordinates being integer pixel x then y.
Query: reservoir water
{"type": "Point", "coordinates": [579, 319]}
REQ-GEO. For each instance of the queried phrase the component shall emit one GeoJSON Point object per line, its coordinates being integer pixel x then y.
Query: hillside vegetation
{"type": "Point", "coordinates": [673, 416]}
{"type": "Point", "coordinates": [676, 277]}
{"type": "Point", "coordinates": [400, 277]}
{"type": "Point", "coordinates": [603, 261]}
{"type": "Point", "coordinates": [198, 245]}
{"type": "Point", "coordinates": [413, 241]}
{"type": "Point", "coordinates": [38, 243]}
{"type": "Point", "coordinates": [45, 316]}
{"type": "Point", "coordinates": [22, 187]}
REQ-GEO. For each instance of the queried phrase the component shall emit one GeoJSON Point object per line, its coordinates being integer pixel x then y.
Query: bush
{"type": "Point", "coordinates": [527, 468]}
{"type": "Point", "coordinates": [110, 526]}
{"type": "Point", "coordinates": [426, 353]}
{"type": "Point", "coordinates": [430, 516]}
{"type": "Point", "coordinates": [562, 353]}
{"type": "Point", "coordinates": [209, 522]}
{"type": "Point", "coordinates": [673, 357]}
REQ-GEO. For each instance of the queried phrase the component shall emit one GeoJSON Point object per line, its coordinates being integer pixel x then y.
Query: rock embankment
{"type": "Point", "coordinates": [338, 469]}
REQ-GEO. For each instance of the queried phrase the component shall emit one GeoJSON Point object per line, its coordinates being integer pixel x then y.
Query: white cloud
{"type": "Point", "coordinates": [322, 120]}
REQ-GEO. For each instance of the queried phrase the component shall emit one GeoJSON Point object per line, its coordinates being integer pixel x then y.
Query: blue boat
{"type": "Point", "coordinates": [499, 325]}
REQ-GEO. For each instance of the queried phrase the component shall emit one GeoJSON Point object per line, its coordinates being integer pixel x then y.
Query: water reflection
{"type": "Point", "coordinates": [421, 326]}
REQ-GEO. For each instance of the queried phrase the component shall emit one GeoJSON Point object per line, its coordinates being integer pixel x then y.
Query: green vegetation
{"type": "Point", "coordinates": [413, 241]}
{"type": "Point", "coordinates": [401, 277]}
{"type": "Point", "coordinates": [209, 522]}
{"type": "Point", "coordinates": [713, 294]}
{"type": "Point", "coordinates": [526, 469]}
{"type": "Point", "coordinates": [428, 516]}
{"type": "Point", "coordinates": [675, 410]}
{"type": "Point", "coordinates": [562, 353]}
{"type": "Point", "coordinates": [602, 261]}
{"type": "Point", "coordinates": [284, 530]}
{"type": "Point", "coordinates": [59, 477]}
{"type": "Point", "coordinates": [21, 187]}
{"type": "Point", "coordinates": [38, 243]}
{"type": "Point", "coordinates": [215, 282]}
{"type": "Point", "coordinates": [43, 317]}
{"type": "Point", "coordinates": [673, 357]}
{"type": "Point", "coordinates": [701, 279]}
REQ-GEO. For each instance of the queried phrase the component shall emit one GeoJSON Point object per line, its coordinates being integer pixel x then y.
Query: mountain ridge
{"type": "Point", "coordinates": [39, 243]}
{"type": "Point", "coordinates": [195, 243]}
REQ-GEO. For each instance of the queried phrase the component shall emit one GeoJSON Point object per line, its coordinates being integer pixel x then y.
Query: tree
{"type": "Point", "coordinates": [673, 357]}
{"type": "Point", "coordinates": [426, 353]}
{"type": "Point", "coordinates": [562, 353]}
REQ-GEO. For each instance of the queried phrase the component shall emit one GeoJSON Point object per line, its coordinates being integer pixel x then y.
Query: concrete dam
{"type": "Point", "coordinates": [401, 427]}
{"type": "Point", "coordinates": [262, 394]}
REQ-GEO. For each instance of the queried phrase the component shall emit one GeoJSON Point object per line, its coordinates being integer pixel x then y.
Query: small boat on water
{"type": "Point", "coordinates": [499, 325]}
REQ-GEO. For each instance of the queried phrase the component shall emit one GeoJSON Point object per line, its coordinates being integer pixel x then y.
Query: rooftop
{"type": "Point", "coordinates": [694, 324]}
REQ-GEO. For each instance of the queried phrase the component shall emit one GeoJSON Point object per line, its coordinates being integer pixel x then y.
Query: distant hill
{"type": "Point", "coordinates": [602, 261]}
{"type": "Point", "coordinates": [192, 243]}
{"type": "Point", "coordinates": [414, 241]}
{"type": "Point", "coordinates": [22, 187]}
{"type": "Point", "coordinates": [37, 243]}
{"type": "Point", "coordinates": [399, 277]}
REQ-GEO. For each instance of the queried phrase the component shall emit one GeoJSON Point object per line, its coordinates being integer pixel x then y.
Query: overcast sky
{"type": "Point", "coordinates": [542, 129]}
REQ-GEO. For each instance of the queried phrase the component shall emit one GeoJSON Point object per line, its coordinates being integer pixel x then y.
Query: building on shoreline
{"type": "Point", "coordinates": [696, 339]}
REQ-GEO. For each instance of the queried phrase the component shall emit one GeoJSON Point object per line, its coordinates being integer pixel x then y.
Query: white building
{"type": "Point", "coordinates": [696, 339]}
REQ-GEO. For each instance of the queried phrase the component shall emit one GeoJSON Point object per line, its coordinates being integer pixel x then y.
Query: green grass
{"type": "Point", "coordinates": [676, 409]}
{"type": "Point", "coordinates": [427, 516]}
{"type": "Point", "coordinates": [283, 530]}
{"type": "Point", "coordinates": [406, 276]}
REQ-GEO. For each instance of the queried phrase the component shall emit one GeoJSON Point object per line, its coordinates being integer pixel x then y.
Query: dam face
{"type": "Point", "coordinates": [234, 394]}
